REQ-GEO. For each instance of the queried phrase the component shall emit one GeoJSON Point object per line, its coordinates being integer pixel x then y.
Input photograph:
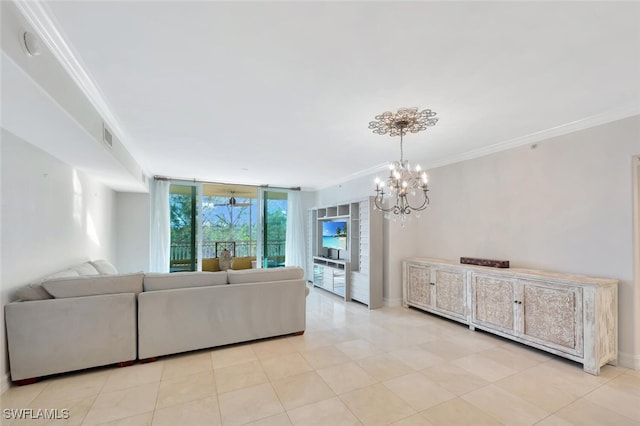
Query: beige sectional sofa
{"type": "Point", "coordinates": [75, 320]}
{"type": "Point", "coordinates": [179, 313]}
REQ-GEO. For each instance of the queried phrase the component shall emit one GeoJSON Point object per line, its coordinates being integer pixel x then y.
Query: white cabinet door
{"type": "Point", "coordinates": [318, 275]}
{"type": "Point", "coordinates": [552, 315]}
{"type": "Point", "coordinates": [418, 290]}
{"type": "Point", "coordinates": [450, 292]}
{"type": "Point", "coordinates": [359, 287]}
{"type": "Point", "coordinates": [494, 302]}
{"type": "Point", "coordinates": [327, 281]}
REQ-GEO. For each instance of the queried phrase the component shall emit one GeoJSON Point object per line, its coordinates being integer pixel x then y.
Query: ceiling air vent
{"type": "Point", "coordinates": [107, 136]}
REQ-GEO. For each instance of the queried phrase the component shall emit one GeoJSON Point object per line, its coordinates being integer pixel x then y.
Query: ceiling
{"type": "Point", "coordinates": [217, 190]}
{"type": "Point", "coordinates": [281, 93]}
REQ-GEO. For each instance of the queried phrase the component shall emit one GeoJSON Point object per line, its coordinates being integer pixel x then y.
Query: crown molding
{"type": "Point", "coordinates": [563, 129]}
{"type": "Point", "coordinates": [40, 18]}
{"type": "Point", "coordinates": [352, 176]}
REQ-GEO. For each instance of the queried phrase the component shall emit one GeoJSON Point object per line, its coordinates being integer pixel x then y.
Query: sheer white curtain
{"type": "Point", "coordinates": [160, 237]}
{"type": "Point", "coordinates": [295, 241]}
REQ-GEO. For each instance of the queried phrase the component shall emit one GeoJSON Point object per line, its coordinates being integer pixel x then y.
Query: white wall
{"type": "Point", "coordinates": [636, 302]}
{"type": "Point", "coordinates": [132, 220]}
{"type": "Point", "coordinates": [565, 206]}
{"type": "Point", "coordinates": [38, 89]}
{"type": "Point", "coordinates": [53, 216]}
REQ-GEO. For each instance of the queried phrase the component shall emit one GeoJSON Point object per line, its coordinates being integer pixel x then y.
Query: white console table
{"type": "Point", "coordinates": [572, 316]}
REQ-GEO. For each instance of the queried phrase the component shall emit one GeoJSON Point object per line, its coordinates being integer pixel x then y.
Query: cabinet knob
{"type": "Point", "coordinates": [432, 283]}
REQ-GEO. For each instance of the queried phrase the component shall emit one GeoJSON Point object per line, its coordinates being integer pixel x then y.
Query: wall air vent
{"type": "Point", "coordinates": [107, 136]}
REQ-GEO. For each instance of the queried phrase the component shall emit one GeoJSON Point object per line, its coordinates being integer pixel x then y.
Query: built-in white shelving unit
{"type": "Point", "coordinates": [354, 273]}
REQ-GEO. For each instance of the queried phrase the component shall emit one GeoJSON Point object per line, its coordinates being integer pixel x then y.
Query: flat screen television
{"type": "Point", "coordinates": [334, 235]}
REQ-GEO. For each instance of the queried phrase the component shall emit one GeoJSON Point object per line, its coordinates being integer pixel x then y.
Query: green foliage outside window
{"type": "Point", "coordinates": [224, 222]}
{"type": "Point", "coordinates": [180, 217]}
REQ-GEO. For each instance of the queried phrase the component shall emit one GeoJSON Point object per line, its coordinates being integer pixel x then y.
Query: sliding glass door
{"type": "Point", "coordinates": [205, 219]}
{"type": "Point", "coordinates": [229, 220]}
{"type": "Point", "coordinates": [183, 225]}
{"type": "Point", "coordinates": [274, 227]}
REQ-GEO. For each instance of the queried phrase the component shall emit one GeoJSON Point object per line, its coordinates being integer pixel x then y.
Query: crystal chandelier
{"type": "Point", "coordinates": [403, 181]}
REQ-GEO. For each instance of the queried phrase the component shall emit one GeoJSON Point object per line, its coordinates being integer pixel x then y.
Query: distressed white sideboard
{"type": "Point", "coordinates": [572, 316]}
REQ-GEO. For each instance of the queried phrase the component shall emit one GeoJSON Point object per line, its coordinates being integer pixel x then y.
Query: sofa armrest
{"type": "Point", "coordinates": [58, 335]}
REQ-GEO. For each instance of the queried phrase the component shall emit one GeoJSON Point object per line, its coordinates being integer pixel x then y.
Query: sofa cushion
{"type": "Point", "coordinates": [85, 269]}
{"type": "Point", "coordinates": [213, 264]}
{"type": "Point", "coordinates": [94, 285]}
{"type": "Point", "coordinates": [265, 275]}
{"type": "Point", "coordinates": [33, 291]}
{"type": "Point", "coordinates": [242, 262]}
{"type": "Point", "coordinates": [210, 265]}
{"type": "Point", "coordinates": [104, 267]}
{"type": "Point", "coordinates": [166, 281]}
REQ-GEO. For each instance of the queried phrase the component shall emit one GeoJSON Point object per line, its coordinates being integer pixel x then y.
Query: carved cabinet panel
{"type": "Point", "coordinates": [552, 315]}
{"type": "Point", "coordinates": [450, 292]}
{"type": "Point", "coordinates": [495, 304]}
{"type": "Point", "coordinates": [418, 291]}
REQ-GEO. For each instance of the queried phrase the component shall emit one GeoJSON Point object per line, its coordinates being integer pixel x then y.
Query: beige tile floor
{"type": "Point", "coordinates": [352, 366]}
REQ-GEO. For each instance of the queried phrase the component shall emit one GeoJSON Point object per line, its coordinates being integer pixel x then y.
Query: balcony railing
{"type": "Point", "coordinates": [181, 250]}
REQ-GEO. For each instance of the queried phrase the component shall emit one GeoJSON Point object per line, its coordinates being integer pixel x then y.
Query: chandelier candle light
{"type": "Point", "coordinates": [403, 180]}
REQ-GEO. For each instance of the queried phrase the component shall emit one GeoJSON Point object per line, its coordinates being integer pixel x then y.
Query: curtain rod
{"type": "Point", "coordinates": [167, 178]}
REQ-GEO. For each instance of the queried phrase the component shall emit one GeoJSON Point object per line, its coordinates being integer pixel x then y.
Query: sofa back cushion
{"type": "Point", "coordinates": [245, 276]}
{"type": "Point", "coordinates": [211, 265]}
{"type": "Point", "coordinates": [35, 291]}
{"type": "Point", "coordinates": [166, 281]}
{"type": "Point", "coordinates": [94, 285]}
{"type": "Point", "coordinates": [243, 262]}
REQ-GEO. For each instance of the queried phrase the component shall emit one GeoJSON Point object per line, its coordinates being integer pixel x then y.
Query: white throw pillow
{"type": "Point", "coordinates": [104, 267]}
{"type": "Point", "coordinates": [160, 281]}
{"type": "Point", "coordinates": [85, 269]}
{"type": "Point", "coordinates": [94, 285]}
{"type": "Point", "coordinates": [67, 273]}
{"type": "Point", "coordinates": [244, 276]}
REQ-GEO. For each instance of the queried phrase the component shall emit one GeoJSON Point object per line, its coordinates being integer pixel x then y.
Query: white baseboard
{"type": "Point", "coordinates": [4, 383]}
{"type": "Point", "coordinates": [629, 361]}
{"type": "Point", "coordinates": [392, 303]}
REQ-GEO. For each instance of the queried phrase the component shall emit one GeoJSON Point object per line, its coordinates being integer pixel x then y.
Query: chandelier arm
{"type": "Point", "coordinates": [424, 204]}
{"type": "Point", "coordinates": [378, 203]}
